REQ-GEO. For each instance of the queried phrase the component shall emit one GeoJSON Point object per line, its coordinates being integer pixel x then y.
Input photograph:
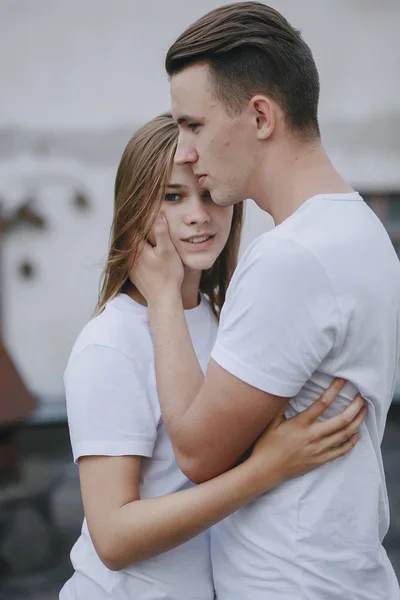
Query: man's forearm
{"type": "Point", "coordinates": [178, 373]}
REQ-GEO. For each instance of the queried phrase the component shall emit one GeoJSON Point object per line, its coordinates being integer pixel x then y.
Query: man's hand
{"type": "Point", "coordinates": [159, 267]}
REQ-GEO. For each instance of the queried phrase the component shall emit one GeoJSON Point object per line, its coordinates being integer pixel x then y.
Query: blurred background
{"type": "Point", "coordinates": [78, 78]}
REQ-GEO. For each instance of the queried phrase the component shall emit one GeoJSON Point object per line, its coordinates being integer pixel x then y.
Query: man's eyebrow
{"type": "Point", "coordinates": [184, 119]}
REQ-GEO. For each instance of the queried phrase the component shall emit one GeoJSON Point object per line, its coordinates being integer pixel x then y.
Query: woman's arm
{"type": "Point", "coordinates": [126, 529]}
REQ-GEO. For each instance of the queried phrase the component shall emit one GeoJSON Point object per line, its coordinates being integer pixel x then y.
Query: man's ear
{"type": "Point", "coordinates": [264, 113]}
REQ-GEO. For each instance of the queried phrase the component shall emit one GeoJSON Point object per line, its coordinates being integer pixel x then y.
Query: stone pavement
{"type": "Point", "coordinates": [50, 445]}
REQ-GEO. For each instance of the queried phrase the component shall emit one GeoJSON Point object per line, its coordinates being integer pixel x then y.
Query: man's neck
{"type": "Point", "coordinates": [300, 172]}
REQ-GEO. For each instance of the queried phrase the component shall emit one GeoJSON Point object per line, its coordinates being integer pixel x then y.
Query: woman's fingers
{"type": "Point", "coordinates": [317, 408]}
{"type": "Point", "coordinates": [162, 237]}
{"type": "Point", "coordinates": [342, 436]}
{"type": "Point", "coordinates": [339, 450]}
{"type": "Point", "coordinates": [339, 422]}
{"type": "Point", "coordinates": [143, 258]}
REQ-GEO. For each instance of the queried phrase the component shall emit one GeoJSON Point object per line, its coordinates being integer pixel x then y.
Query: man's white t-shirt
{"type": "Point", "coordinates": [113, 410]}
{"type": "Point", "coordinates": [316, 297]}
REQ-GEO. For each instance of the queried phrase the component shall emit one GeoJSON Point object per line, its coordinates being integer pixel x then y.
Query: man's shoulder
{"type": "Point", "coordinates": [277, 250]}
{"type": "Point", "coordinates": [278, 270]}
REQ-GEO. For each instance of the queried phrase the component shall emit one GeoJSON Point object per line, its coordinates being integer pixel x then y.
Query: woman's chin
{"type": "Point", "coordinates": [199, 263]}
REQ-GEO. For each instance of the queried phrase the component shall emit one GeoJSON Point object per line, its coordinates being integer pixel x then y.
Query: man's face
{"type": "Point", "coordinates": [220, 149]}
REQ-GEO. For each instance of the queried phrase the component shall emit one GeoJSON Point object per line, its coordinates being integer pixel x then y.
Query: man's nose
{"type": "Point", "coordinates": [185, 154]}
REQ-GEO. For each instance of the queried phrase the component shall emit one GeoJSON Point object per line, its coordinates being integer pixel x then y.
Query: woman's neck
{"type": "Point", "coordinates": [190, 290]}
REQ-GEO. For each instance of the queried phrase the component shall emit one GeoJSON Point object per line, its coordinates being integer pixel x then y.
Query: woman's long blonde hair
{"type": "Point", "coordinates": [140, 185]}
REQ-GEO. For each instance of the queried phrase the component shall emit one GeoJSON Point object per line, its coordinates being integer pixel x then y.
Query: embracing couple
{"type": "Point", "coordinates": [227, 420]}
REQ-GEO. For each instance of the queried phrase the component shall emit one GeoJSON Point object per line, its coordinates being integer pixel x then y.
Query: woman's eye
{"type": "Point", "coordinates": [193, 126]}
{"type": "Point", "coordinates": [206, 195]}
{"type": "Point", "coordinates": [172, 197]}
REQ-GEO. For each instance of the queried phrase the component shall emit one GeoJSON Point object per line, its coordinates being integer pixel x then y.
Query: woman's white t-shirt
{"type": "Point", "coordinates": [113, 410]}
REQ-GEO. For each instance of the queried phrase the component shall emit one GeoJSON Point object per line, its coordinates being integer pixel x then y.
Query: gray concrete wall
{"type": "Point", "coordinates": [79, 77]}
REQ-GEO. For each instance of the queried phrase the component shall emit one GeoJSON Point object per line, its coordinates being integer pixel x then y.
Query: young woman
{"type": "Point", "coordinates": [145, 533]}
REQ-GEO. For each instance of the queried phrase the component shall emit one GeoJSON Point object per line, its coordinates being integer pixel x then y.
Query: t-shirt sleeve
{"type": "Point", "coordinates": [280, 319]}
{"type": "Point", "coordinates": [108, 407]}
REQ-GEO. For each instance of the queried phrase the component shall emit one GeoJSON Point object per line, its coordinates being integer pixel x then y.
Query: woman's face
{"type": "Point", "coordinates": [199, 229]}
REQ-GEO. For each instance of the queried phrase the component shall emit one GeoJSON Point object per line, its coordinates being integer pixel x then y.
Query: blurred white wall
{"type": "Point", "coordinates": [78, 77]}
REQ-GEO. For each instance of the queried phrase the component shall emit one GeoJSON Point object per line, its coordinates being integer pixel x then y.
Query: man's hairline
{"type": "Point", "coordinates": [206, 63]}
{"type": "Point", "coordinates": [213, 86]}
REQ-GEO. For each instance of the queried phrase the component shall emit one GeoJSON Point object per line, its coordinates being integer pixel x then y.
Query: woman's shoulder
{"type": "Point", "coordinates": [122, 326]}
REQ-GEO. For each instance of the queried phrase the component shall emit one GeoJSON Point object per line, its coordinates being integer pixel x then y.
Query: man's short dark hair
{"type": "Point", "coordinates": [250, 48]}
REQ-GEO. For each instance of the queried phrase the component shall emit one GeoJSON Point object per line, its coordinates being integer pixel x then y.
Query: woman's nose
{"type": "Point", "coordinates": [197, 212]}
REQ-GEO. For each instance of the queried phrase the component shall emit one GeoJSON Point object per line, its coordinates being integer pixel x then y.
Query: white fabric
{"type": "Point", "coordinates": [316, 297]}
{"type": "Point", "coordinates": [113, 410]}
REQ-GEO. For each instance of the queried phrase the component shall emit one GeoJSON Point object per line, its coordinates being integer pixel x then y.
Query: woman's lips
{"type": "Point", "coordinates": [200, 245]}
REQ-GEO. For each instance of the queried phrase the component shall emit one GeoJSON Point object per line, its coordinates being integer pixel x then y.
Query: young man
{"type": "Point", "coordinates": [315, 298]}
